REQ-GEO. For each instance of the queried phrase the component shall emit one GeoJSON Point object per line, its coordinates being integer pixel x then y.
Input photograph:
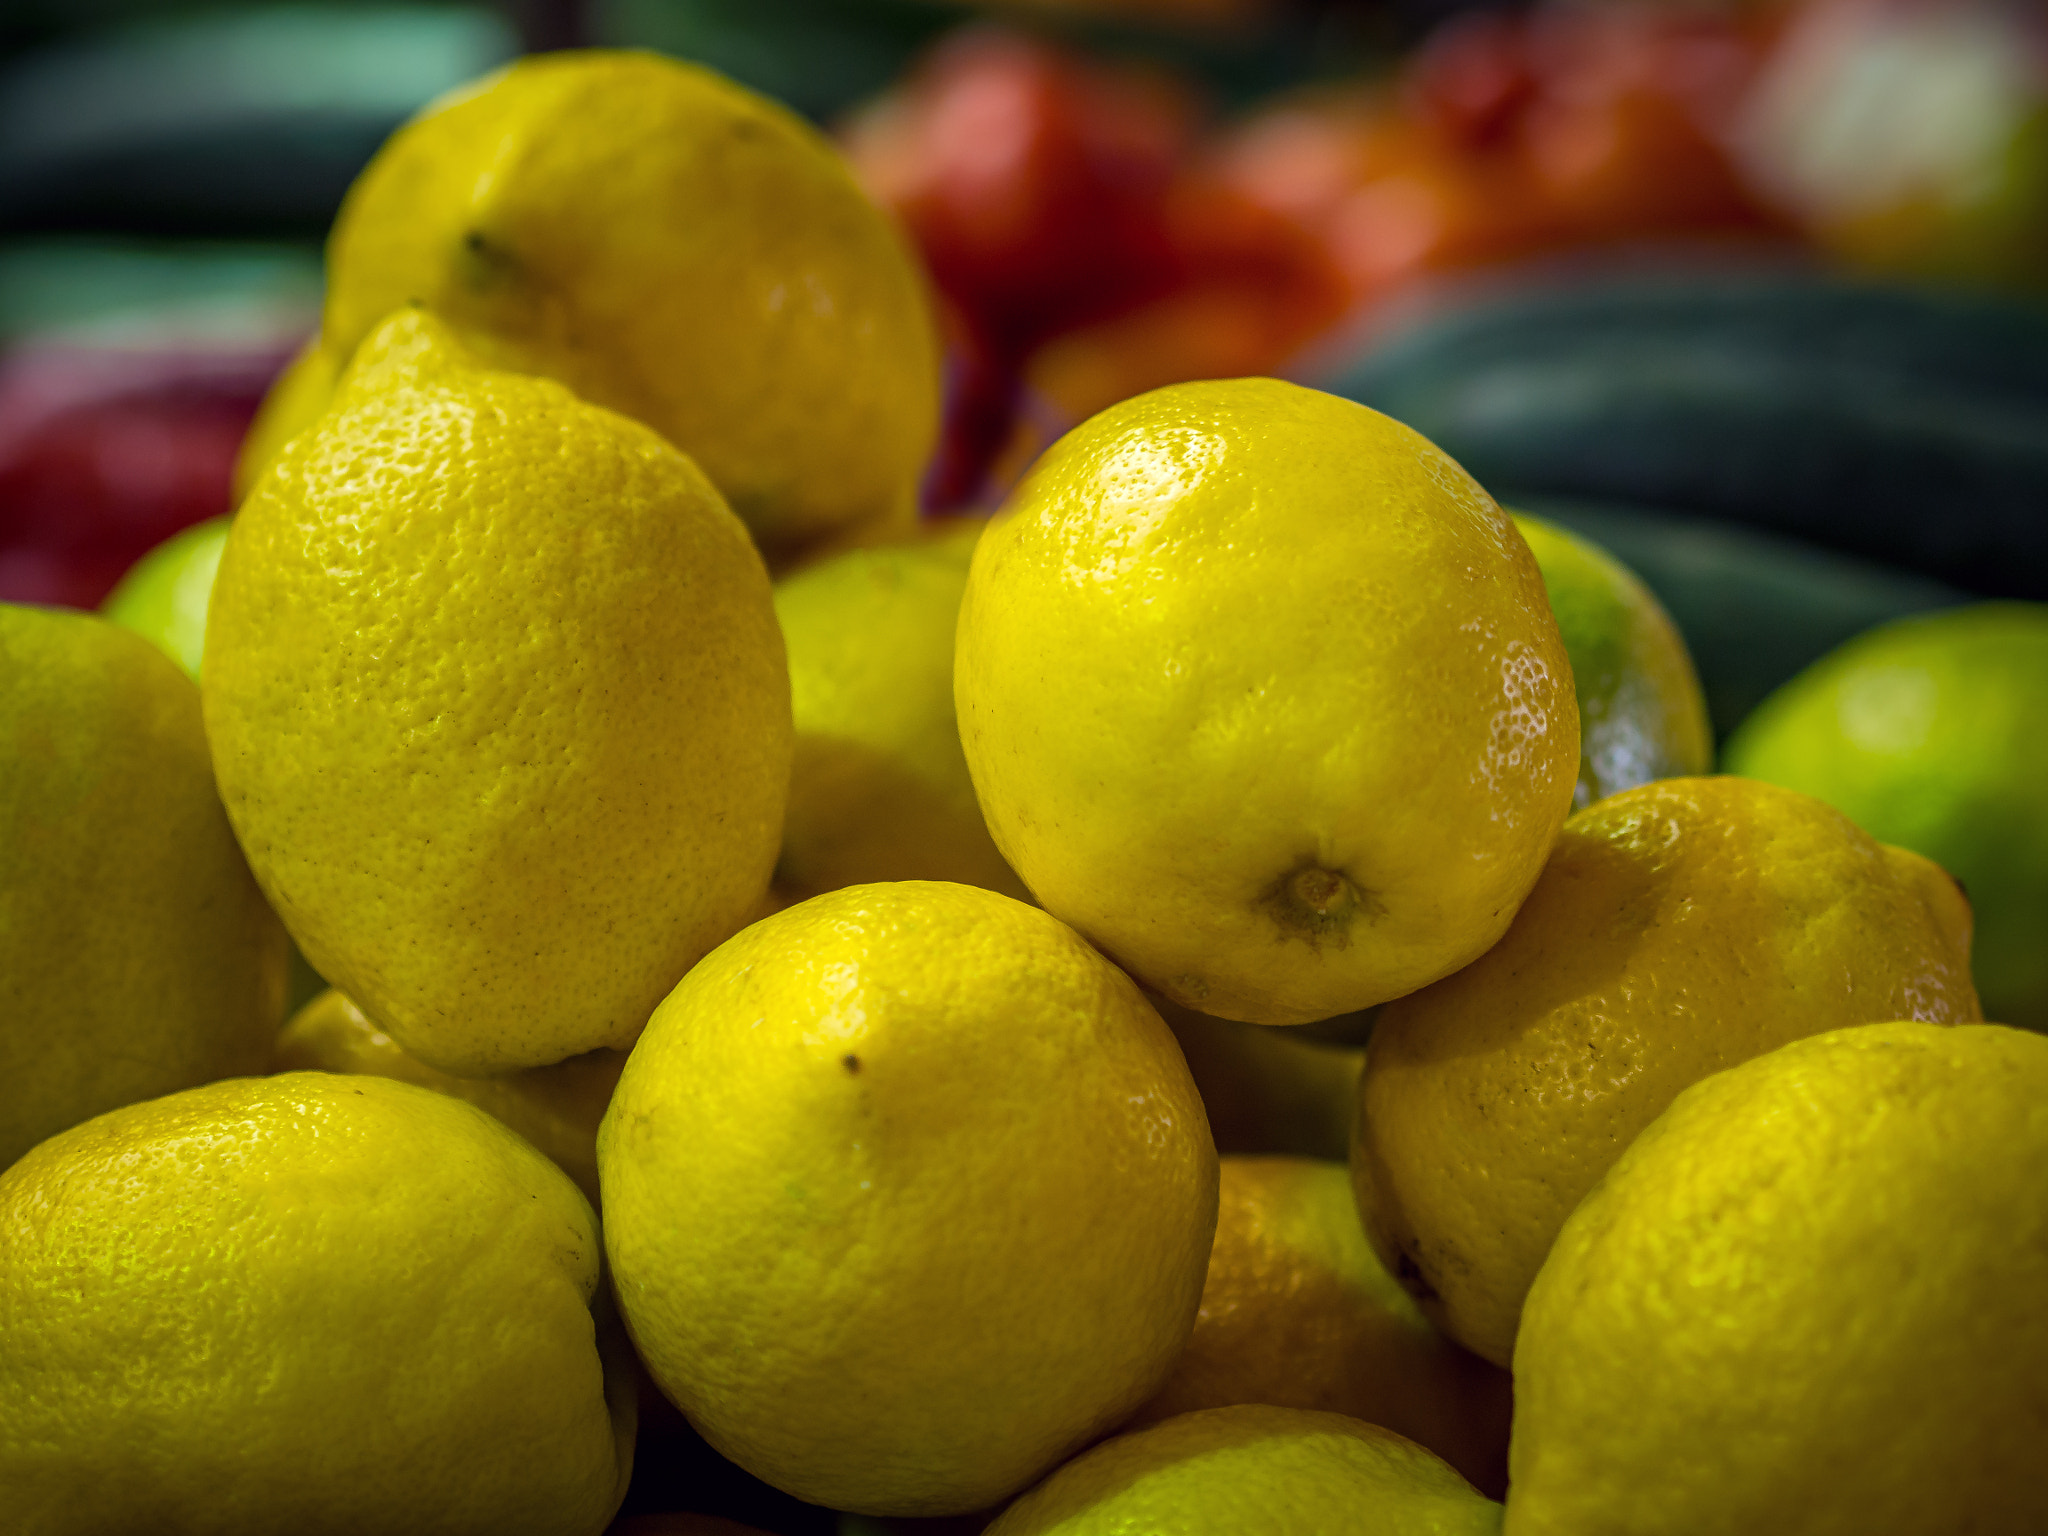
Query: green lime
{"type": "Point", "coordinates": [1930, 732]}
{"type": "Point", "coordinates": [163, 597]}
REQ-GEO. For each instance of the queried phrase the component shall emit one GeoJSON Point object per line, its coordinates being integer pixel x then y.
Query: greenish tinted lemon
{"type": "Point", "coordinates": [1254, 1471]}
{"type": "Point", "coordinates": [556, 1108]}
{"type": "Point", "coordinates": [1931, 732]}
{"type": "Point", "coordinates": [1641, 713]}
{"type": "Point", "coordinates": [164, 596]}
{"type": "Point", "coordinates": [879, 788]}
{"type": "Point", "coordinates": [137, 956]}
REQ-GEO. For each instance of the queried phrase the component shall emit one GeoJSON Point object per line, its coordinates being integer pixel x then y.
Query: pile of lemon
{"type": "Point", "coordinates": [884, 951]}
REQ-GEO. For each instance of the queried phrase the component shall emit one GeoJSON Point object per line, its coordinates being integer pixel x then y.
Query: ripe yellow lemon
{"type": "Point", "coordinates": [297, 398]}
{"type": "Point", "coordinates": [1680, 927]}
{"type": "Point", "coordinates": [677, 248]}
{"type": "Point", "coordinates": [879, 787]}
{"type": "Point", "coordinates": [1641, 713]}
{"type": "Point", "coordinates": [498, 707]}
{"type": "Point", "coordinates": [908, 1196]}
{"type": "Point", "coordinates": [1298, 1312]}
{"type": "Point", "coordinates": [557, 1108]}
{"type": "Point", "coordinates": [1262, 693]}
{"type": "Point", "coordinates": [137, 956]}
{"type": "Point", "coordinates": [1254, 1471]}
{"type": "Point", "coordinates": [1806, 1300]}
{"type": "Point", "coordinates": [303, 1303]}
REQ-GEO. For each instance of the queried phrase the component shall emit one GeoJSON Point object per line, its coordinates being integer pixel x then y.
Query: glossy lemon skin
{"type": "Point", "coordinates": [673, 246]}
{"type": "Point", "coordinates": [1805, 1300]}
{"type": "Point", "coordinates": [908, 1196]}
{"type": "Point", "coordinates": [497, 706]}
{"type": "Point", "coordinates": [1262, 693]}
{"type": "Point", "coordinates": [1680, 928]}
{"type": "Point", "coordinates": [303, 1303]}
{"type": "Point", "coordinates": [137, 955]}
{"type": "Point", "coordinates": [1254, 1471]}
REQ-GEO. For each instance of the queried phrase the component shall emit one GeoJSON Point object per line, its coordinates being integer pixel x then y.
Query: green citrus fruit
{"type": "Point", "coordinates": [1932, 732]}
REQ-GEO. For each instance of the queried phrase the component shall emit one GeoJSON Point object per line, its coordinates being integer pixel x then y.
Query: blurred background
{"type": "Point", "coordinates": [1751, 291]}
{"type": "Point", "coordinates": [1754, 293]}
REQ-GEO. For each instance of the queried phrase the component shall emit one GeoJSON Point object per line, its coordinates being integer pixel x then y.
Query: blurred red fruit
{"type": "Point", "coordinates": [1033, 180]}
{"type": "Point", "coordinates": [107, 451]}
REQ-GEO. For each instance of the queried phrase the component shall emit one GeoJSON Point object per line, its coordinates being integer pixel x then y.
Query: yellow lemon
{"type": "Point", "coordinates": [1298, 1312]}
{"type": "Point", "coordinates": [1806, 1300]}
{"type": "Point", "coordinates": [498, 707]}
{"type": "Point", "coordinates": [1262, 693]}
{"type": "Point", "coordinates": [557, 1108]}
{"type": "Point", "coordinates": [674, 247]}
{"type": "Point", "coordinates": [307, 1303]}
{"type": "Point", "coordinates": [137, 956]}
{"type": "Point", "coordinates": [1254, 1471]}
{"type": "Point", "coordinates": [1931, 732]}
{"type": "Point", "coordinates": [1641, 713]}
{"type": "Point", "coordinates": [908, 1196]}
{"type": "Point", "coordinates": [297, 398]}
{"type": "Point", "coordinates": [879, 787]}
{"type": "Point", "coordinates": [1268, 1090]}
{"type": "Point", "coordinates": [1680, 927]}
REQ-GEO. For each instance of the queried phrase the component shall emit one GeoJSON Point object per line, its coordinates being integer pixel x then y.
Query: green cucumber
{"type": "Point", "coordinates": [1755, 608]}
{"type": "Point", "coordinates": [1904, 426]}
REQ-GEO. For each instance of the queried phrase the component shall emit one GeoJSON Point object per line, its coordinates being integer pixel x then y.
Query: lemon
{"type": "Point", "coordinates": [1298, 1312]}
{"type": "Point", "coordinates": [137, 956]}
{"type": "Point", "coordinates": [556, 1108]}
{"type": "Point", "coordinates": [1806, 1300]}
{"type": "Point", "coordinates": [674, 247]}
{"type": "Point", "coordinates": [879, 787]}
{"type": "Point", "coordinates": [302, 1303]}
{"type": "Point", "coordinates": [1262, 694]}
{"type": "Point", "coordinates": [1268, 1090]}
{"type": "Point", "coordinates": [297, 398]}
{"type": "Point", "coordinates": [163, 596]}
{"type": "Point", "coordinates": [1641, 713]}
{"type": "Point", "coordinates": [907, 1196]}
{"type": "Point", "coordinates": [1680, 927]}
{"type": "Point", "coordinates": [1254, 1471]}
{"type": "Point", "coordinates": [1930, 732]}
{"type": "Point", "coordinates": [498, 707]}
